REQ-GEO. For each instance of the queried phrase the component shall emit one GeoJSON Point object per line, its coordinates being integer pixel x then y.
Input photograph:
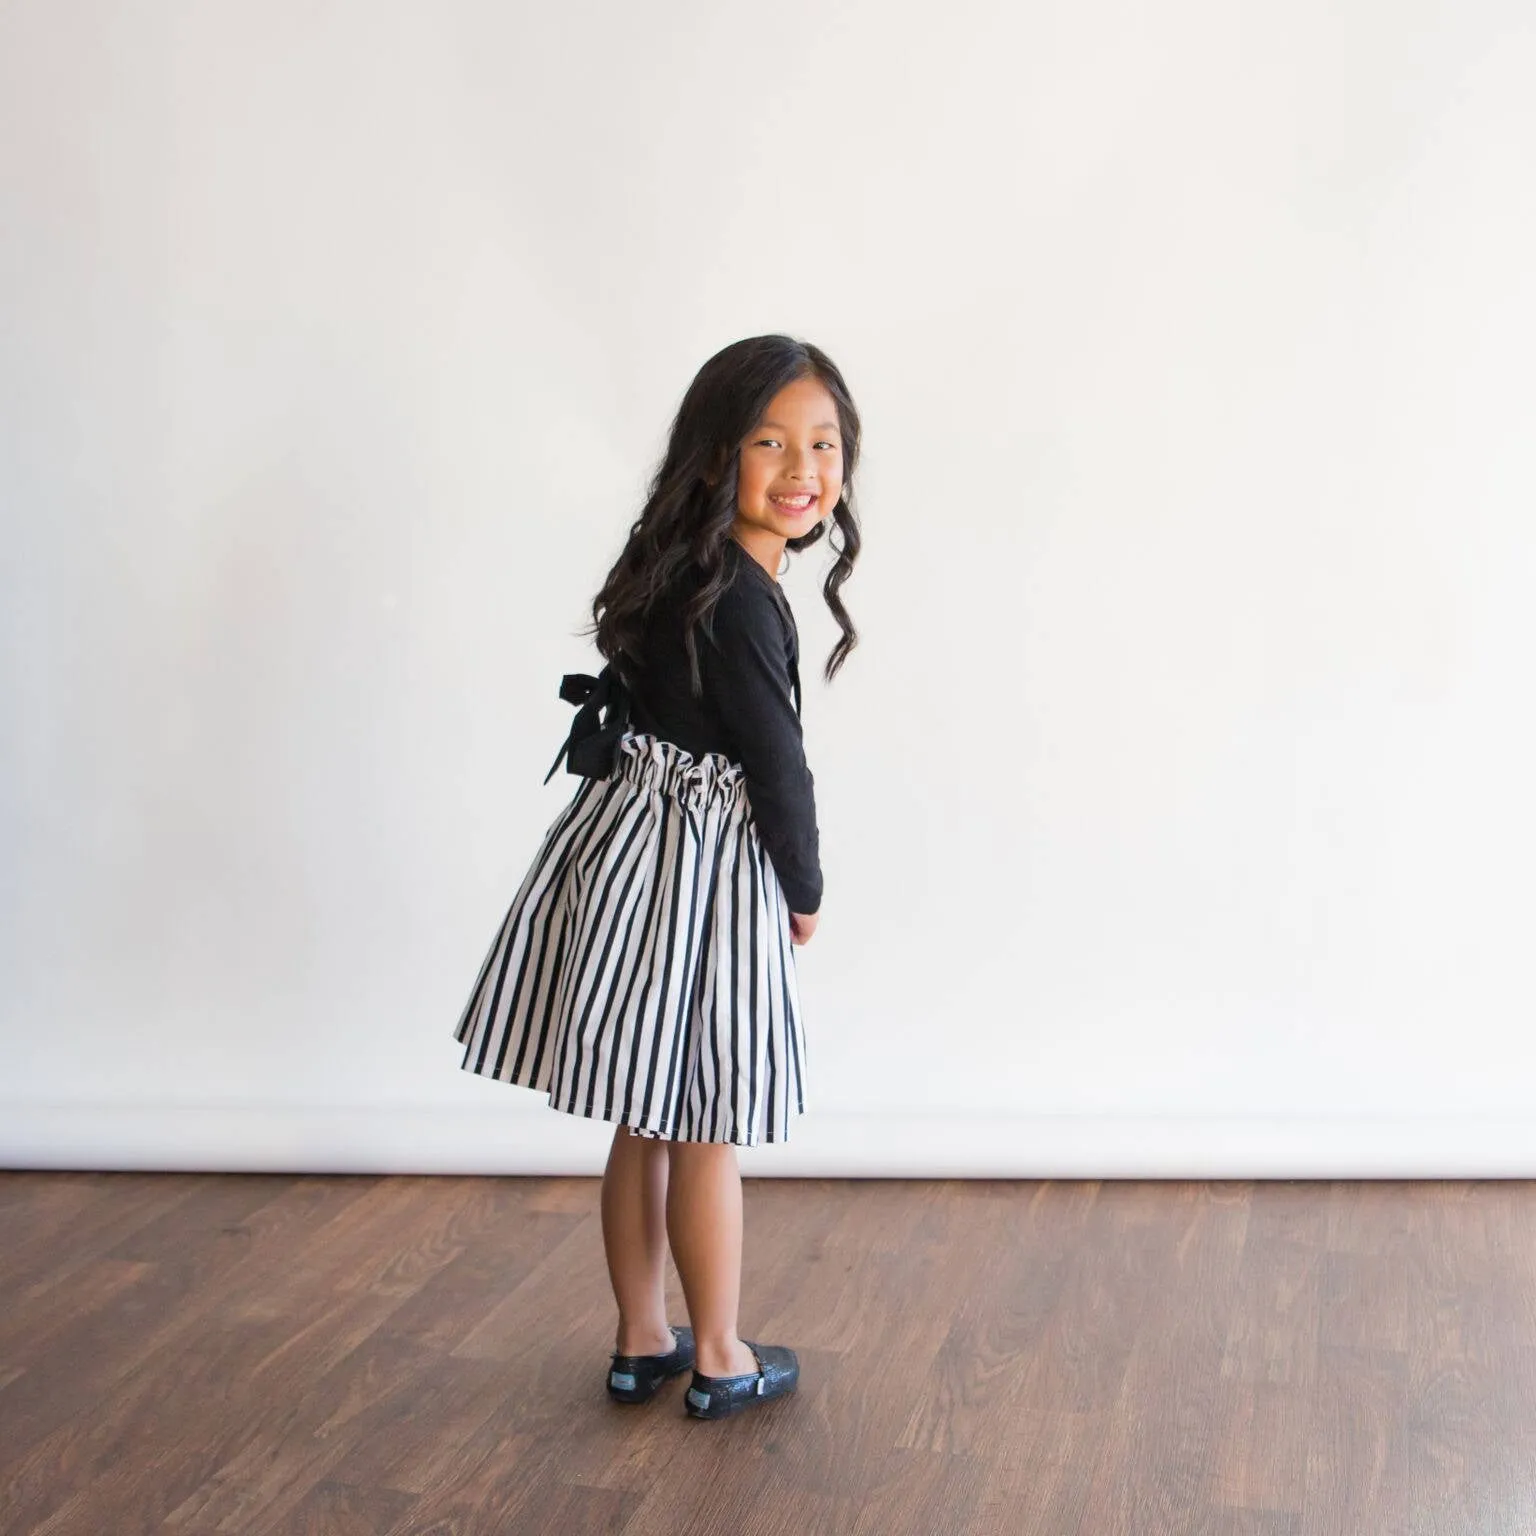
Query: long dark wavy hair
{"type": "Point", "coordinates": [691, 501]}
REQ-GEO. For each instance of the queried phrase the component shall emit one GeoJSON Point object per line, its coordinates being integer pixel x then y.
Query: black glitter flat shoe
{"type": "Point", "coordinates": [718, 1397]}
{"type": "Point", "coordinates": [635, 1378]}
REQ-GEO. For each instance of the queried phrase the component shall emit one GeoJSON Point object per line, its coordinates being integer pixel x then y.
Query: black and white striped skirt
{"type": "Point", "coordinates": [644, 973]}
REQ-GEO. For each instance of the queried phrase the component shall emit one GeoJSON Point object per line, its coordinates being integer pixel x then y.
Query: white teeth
{"type": "Point", "coordinates": [793, 501]}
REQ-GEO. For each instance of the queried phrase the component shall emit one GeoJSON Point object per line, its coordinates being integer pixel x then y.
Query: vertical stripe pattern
{"type": "Point", "coordinates": [644, 973]}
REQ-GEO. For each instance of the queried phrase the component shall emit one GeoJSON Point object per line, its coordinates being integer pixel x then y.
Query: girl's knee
{"type": "Point", "coordinates": [700, 1153]}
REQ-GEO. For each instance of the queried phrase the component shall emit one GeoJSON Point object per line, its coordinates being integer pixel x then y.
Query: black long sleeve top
{"type": "Point", "coordinates": [750, 709]}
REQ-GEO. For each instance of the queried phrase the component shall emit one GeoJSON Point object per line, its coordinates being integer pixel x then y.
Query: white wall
{"type": "Point", "coordinates": [1172, 808]}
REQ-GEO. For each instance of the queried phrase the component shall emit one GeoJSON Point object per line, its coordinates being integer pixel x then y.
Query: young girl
{"type": "Point", "coordinates": [645, 972]}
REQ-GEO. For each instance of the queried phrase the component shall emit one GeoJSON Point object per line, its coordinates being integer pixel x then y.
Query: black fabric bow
{"type": "Point", "coordinates": [592, 747]}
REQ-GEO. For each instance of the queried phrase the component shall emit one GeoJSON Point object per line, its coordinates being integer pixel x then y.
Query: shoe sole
{"type": "Point", "coordinates": [734, 1406]}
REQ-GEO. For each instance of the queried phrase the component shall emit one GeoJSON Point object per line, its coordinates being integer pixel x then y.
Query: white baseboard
{"type": "Point", "coordinates": [405, 1139]}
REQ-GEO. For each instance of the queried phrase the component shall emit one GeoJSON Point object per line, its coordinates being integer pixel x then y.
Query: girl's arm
{"type": "Point", "coordinates": [747, 674]}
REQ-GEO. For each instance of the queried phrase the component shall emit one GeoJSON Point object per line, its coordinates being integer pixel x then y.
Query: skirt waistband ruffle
{"type": "Point", "coordinates": [649, 763]}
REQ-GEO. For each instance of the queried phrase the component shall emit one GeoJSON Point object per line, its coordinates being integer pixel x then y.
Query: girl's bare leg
{"type": "Point", "coordinates": [704, 1225]}
{"type": "Point", "coordinates": [635, 1240]}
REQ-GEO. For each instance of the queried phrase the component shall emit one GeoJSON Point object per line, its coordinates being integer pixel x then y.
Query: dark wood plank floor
{"type": "Point", "coordinates": [251, 1355]}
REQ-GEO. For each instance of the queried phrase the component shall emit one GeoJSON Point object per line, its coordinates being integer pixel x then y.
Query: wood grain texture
{"type": "Point", "coordinates": [197, 1354]}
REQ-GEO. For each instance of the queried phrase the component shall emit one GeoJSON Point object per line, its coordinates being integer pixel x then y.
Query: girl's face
{"type": "Point", "coordinates": [791, 465]}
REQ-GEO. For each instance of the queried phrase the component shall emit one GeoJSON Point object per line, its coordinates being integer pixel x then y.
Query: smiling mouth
{"type": "Point", "coordinates": [802, 503]}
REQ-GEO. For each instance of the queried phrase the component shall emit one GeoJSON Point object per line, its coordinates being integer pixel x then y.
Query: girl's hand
{"type": "Point", "coordinates": [801, 926]}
